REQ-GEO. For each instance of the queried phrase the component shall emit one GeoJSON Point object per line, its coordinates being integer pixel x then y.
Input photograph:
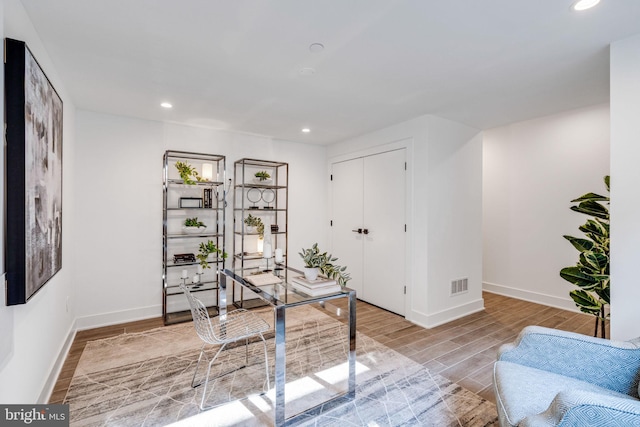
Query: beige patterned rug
{"type": "Point", "coordinates": [143, 379]}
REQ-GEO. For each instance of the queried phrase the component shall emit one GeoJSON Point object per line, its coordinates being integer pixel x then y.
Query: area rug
{"type": "Point", "coordinates": [144, 379]}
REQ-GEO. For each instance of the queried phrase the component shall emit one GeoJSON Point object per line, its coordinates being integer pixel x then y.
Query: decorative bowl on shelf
{"type": "Point", "coordinates": [194, 230]}
{"type": "Point", "coordinates": [267, 181]}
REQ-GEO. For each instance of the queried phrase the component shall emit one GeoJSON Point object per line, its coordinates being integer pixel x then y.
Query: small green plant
{"type": "Point", "coordinates": [208, 248]}
{"type": "Point", "coordinates": [193, 222]}
{"type": "Point", "coordinates": [253, 221]}
{"type": "Point", "coordinates": [188, 173]}
{"type": "Point", "coordinates": [262, 175]}
{"type": "Point", "coordinates": [313, 258]}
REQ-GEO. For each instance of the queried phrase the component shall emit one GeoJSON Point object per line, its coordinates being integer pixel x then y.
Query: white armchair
{"type": "Point", "coordinates": [549, 377]}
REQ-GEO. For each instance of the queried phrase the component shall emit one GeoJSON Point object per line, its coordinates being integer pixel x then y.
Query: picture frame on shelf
{"type": "Point", "coordinates": [191, 202]}
{"type": "Point", "coordinates": [33, 122]}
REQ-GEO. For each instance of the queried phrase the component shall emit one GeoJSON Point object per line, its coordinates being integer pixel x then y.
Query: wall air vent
{"type": "Point", "coordinates": [459, 286]}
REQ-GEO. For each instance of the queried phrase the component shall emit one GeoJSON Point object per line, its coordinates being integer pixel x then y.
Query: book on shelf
{"type": "Point", "coordinates": [319, 282]}
{"type": "Point", "coordinates": [316, 291]}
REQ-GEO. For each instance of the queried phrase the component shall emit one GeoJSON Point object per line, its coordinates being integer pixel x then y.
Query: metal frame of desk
{"type": "Point", "coordinates": [280, 301]}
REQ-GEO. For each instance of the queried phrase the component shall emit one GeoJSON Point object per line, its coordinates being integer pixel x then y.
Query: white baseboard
{"type": "Point", "coordinates": [115, 317]}
{"type": "Point", "coordinates": [544, 299]}
{"type": "Point", "coordinates": [54, 373]}
{"type": "Point", "coordinates": [445, 316]}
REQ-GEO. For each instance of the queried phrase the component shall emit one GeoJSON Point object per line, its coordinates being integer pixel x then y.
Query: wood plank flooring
{"type": "Point", "coordinates": [462, 351]}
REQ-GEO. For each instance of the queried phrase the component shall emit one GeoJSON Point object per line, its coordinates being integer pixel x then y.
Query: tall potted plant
{"type": "Point", "coordinates": [591, 273]}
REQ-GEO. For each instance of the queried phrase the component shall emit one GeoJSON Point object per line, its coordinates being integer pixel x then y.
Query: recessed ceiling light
{"type": "Point", "coordinates": [307, 71]}
{"type": "Point", "coordinates": [584, 4]}
{"type": "Point", "coordinates": [166, 105]}
{"type": "Point", "coordinates": [316, 47]}
{"type": "Point", "coordinates": [306, 130]}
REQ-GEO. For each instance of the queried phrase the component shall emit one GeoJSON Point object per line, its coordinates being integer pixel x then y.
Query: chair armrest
{"type": "Point", "coordinates": [614, 365]}
{"type": "Point", "coordinates": [587, 408]}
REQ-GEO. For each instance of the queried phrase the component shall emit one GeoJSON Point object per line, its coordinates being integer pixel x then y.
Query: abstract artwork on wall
{"type": "Point", "coordinates": [33, 126]}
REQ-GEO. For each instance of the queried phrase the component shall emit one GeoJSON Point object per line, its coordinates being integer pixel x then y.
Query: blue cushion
{"type": "Point", "coordinates": [522, 391]}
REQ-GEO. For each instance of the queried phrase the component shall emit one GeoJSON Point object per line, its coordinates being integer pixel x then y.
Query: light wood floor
{"type": "Point", "coordinates": [462, 351]}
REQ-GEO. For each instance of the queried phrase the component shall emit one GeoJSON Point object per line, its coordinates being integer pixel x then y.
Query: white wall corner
{"type": "Point", "coordinates": [55, 370]}
{"type": "Point", "coordinates": [116, 317]}
{"type": "Point", "coordinates": [445, 316]}
{"type": "Point", "coordinates": [535, 297]}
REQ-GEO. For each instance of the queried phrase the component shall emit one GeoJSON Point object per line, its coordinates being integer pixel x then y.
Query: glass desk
{"type": "Point", "coordinates": [281, 297]}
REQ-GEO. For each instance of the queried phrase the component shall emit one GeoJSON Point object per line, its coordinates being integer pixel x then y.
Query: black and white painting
{"type": "Point", "coordinates": [34, 141]}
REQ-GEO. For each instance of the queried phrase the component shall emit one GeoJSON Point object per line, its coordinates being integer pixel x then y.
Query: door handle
{"type": "Point", "coordinates": [365, 231]}
{"type": "Point", "coordinates": [359, 231]}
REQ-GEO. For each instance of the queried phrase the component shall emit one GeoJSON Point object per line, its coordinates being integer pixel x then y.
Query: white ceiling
{"type": "Point", "coordinates": [234, 64]}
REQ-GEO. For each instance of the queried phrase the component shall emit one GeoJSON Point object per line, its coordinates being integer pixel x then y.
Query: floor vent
{"type": "Point", "coordinates": [459, 286]}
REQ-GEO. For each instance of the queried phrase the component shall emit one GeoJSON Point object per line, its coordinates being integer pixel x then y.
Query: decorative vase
{"type": "Point", "coordinates": [311, 273]}
{"type": "Point", "coordinates": [194, 230]}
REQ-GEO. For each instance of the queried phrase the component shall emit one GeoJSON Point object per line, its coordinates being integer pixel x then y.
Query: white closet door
{"type": "Point", "coordinates": [347, 216]}
{"type": "Point", "coordinates": [369, 195]}
{"type": "Point", "coordinates": [384, 219]}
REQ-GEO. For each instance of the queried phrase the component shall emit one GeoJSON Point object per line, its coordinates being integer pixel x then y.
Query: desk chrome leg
{"type": "Point", "coordinates": [352, 344]}
{"type": "Point", "coordinates": [280, 368]}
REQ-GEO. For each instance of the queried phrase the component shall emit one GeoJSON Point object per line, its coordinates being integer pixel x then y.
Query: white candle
{"type": "Point", "coordinates": [207, 171]}
{"type": "Point", "coordinates": [279, 255]}
{"type": "Point", "coordinates": [266, 250]}
{"type": "Point", "coordinates": [196, 278]}
{"type": "Point", "coordinates": [185, 274]}
{"type": "Point", "coordinates": [199, 268]}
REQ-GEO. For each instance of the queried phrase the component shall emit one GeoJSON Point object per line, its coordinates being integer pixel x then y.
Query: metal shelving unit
{"type": "Point", "coordinates": [206, 202]}
{"type": "Point", "coordinates": [269, 201]}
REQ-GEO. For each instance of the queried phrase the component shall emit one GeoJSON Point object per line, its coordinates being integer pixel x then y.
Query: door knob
{"type": "Point", "coordinates": [359, 231]}
{"type": "Point", "coordinates": [365, 231]}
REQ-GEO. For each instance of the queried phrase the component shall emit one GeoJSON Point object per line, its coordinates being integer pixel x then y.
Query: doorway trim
{"type": "Point", "coordinates": [407, 144]}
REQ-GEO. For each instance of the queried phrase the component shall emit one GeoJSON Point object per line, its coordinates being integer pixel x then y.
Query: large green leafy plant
{"type": "Point", "coordinates": [591, 273]}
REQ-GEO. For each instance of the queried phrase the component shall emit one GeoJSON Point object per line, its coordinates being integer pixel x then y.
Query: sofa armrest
{"type": "Point", "coordinates": [586, 408]}
{"type": "Point", "coordinates": [614, 365]}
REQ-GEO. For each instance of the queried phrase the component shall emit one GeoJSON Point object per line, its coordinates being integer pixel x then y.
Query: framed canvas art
{"type": "Point", "coordinates": [33, 126]}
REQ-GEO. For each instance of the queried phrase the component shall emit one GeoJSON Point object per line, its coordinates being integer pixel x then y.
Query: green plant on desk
{"type": "Point", "coordinates": [314, 258]}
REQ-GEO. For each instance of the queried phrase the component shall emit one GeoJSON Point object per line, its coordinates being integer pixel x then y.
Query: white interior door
{"type": "Point", "coordinates": [368, 229]}
{"type": "Point", "coordinates": [347, 216]}
{"type": "Point", "coordinates": [384, 222]}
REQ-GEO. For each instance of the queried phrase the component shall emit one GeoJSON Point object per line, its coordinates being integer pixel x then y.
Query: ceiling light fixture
{"type": "Point", "coordinates": [584, 4]}
{"type": "Point", "coordinates": [307, 71]}
{"type": "Point", "coordinates": [316, 47]}
{"type": "Point", "coordinates": [306, 130]}
{"type": "Point", "coordinates": [166, 105]}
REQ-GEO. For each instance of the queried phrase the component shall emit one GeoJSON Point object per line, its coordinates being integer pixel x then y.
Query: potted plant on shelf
{"type": "Point", "coordinates": [262, 177]}
{"type": "Point", "coordinates": [254, 224]}
{"type": "Point", "coordinates": [205, 250]}
{"type": "Point", "coordinates": [316, 262]}
{"type": "Point", "coordinates": [188, 173]}
{"type": "Point", "coordinates": [193, 226]}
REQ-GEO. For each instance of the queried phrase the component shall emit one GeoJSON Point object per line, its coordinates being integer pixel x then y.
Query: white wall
{"type": "Point", "coordinates": [36, 333]}
{"type": "Point", "coordinates": [119, 214]}
{"type": "Point", "coordinates": [532, 170]}
{"type": "Point", "coordinates": [444, 217]}
{"type": "Point", "coordinates": [625, 176]}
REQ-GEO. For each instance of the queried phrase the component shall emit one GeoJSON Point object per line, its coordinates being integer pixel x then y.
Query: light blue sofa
{"type": "Point", "coordinates": [549, 377]}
